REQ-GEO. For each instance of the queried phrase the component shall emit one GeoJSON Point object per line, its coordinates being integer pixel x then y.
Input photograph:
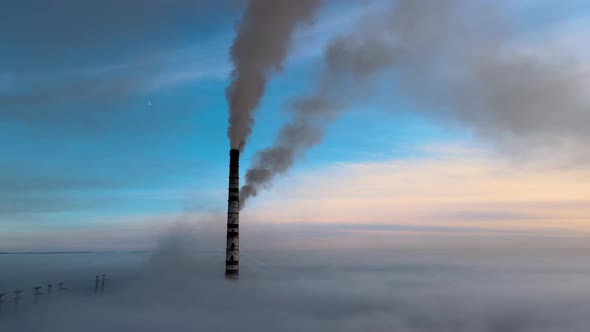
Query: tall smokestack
{"type": "Point", "coordinates": [232, 248]}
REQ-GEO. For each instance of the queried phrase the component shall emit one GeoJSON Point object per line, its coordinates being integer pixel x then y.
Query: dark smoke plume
{"type": "Point", "coordinates": [260, 47]}
{"type": "Point", "coordinates": [455, 60]}
{"type": "Point", "coordinates": [311, 113]}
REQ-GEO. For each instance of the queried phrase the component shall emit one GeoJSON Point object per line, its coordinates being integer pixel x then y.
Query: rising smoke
{"type": "Point", "coordinates": [456, 61]}
{"type": "Point", "coordinates": [260, 47]}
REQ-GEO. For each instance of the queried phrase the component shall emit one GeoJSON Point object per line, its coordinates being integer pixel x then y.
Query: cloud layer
{"type": "Point", "coordinates": [447, 186]}
{"type": "Point", "coordinates": [182, 289]}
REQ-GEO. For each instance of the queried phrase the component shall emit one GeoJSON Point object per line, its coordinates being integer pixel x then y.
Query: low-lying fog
{"type": "Point", "coordinates": [344, 281]}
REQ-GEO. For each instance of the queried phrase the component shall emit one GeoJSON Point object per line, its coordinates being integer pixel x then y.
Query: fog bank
{"type": "Point", "coordinates": [418, 288]}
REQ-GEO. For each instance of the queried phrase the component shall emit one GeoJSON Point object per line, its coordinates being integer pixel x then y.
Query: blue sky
{"type": "Point", "coordinates": [117, 111]}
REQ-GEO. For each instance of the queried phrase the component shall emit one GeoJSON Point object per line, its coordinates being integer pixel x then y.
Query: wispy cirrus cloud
{"type": "Point", "coordinates": [137, 70]}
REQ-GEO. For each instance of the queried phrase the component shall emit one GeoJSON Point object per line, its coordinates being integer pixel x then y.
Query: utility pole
{"type": "Point", "coordinates": [37, 293]}
{"type": "Point", "coordinates": [102, 283]}
{"type": "Point", "coordinates": [96, 285]}
{"type": "Point", "coordinates": [17, 299]}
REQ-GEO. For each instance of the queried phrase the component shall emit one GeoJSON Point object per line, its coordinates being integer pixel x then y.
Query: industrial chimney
{"type": "Point", "coordinates": [232, 248]}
